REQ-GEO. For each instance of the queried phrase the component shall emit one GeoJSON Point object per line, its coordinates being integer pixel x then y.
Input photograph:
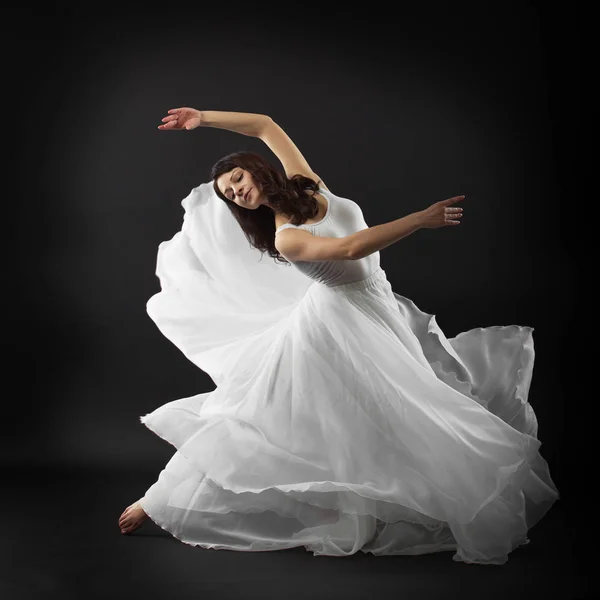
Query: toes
{"type": "Point", "coordinates": [129, 525]}
{"type": "Point", "coordinates": [132, 518]}
{"type": "Point", "coordinates": [128, 529]}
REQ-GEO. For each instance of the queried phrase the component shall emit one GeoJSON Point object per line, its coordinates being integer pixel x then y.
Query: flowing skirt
{"type": "Point", "coordinates": [342, 418]}
{"type": "Point", "coordinates": [347, 421]}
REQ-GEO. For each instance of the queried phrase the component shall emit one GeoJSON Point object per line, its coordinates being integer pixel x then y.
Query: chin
{"type": "Point", "coordinates": [254, 204]}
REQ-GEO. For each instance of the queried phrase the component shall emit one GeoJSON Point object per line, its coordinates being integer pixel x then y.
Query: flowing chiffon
{"type": "Point", "coordinates": [342, 417]}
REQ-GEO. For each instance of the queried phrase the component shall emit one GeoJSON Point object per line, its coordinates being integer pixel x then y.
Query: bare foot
{"type": "Point", "coordinates": [133, 516]}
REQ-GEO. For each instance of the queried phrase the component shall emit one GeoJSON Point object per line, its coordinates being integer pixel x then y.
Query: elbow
{"type": "Point", "coordinates": [264, 122]}
{"type": "Point", "coordinates": [353, 252]}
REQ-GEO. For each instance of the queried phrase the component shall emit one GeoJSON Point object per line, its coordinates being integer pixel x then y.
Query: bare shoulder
{"type": "Point", "coordinates": [288, 240]}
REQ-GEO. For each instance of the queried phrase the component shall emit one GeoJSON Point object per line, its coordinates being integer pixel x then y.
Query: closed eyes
{"type": "Point", "coordinates": [237, 180]}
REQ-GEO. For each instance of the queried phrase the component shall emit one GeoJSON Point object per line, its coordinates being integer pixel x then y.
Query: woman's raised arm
{"type": "Point", "coordinates": [251, 124]}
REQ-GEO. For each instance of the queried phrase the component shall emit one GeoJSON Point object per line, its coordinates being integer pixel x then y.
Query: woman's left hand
{"type": "Point", "coordinates": [181, 118]}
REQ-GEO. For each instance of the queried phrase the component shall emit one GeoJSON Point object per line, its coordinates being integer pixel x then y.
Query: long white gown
{"type": "Point", "coordinates": [342, 418]}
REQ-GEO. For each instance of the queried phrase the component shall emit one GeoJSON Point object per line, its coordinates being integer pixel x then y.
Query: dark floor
{"type": "Point", "coordinates": [72, 548]}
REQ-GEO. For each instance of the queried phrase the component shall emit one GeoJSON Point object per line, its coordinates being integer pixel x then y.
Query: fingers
{"type": "Point", "coordinates": [169, 125]}
{"type": "Point", "coordinates": [452, 214]}
{"type": "Point", "coordinates": [170, 121]}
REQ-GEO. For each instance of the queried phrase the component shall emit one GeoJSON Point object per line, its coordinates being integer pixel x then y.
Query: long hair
{"type": "Point", "coordinates": [285, 195]}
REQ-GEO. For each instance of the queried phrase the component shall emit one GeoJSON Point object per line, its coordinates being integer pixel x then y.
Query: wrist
{"type": "Point", "coordinates": [418, 219]}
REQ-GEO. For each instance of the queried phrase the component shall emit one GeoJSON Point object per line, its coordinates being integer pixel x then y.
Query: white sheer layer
{"type": "Point", "coordinates": [342, 419]}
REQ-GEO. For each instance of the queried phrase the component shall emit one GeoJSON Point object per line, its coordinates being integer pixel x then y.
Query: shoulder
{"type": "Point", "coordinates": [286, 226]}
{"type": "Point", "coordinates": [289, 239]}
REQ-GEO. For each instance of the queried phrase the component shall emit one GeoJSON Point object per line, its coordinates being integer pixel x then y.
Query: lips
{"type": "Point", "coordinates": [247, 194]}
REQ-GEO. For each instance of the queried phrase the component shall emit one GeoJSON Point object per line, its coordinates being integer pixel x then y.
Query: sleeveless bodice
{"type": "Point", "coordinates": [343, 217]}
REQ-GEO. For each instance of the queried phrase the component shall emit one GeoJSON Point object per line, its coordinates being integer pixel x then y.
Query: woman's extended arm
{"type": "Point", "coordinates": [367, 241]}
{"type": "Point", "coordinates": [251, 124]}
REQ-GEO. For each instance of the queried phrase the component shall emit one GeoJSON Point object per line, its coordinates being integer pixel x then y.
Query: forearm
{"type": "Point", "coordinates": [368, 241]}
{"type": "Point", "coordinates": [251, 124]}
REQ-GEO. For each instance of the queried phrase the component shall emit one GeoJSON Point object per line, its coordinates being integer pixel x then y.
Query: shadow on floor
{"type": "Point", "coordinates": [61, 540]}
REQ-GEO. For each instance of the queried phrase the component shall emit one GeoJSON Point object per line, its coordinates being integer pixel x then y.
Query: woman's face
{"type": "Point", "coordinates": [238, 186]}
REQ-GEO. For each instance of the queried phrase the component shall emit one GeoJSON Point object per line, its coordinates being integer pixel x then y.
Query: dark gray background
{"type": "Point", "coordinates": [396, 106]}
{"type": "Point", "coordinates": [394, 113]}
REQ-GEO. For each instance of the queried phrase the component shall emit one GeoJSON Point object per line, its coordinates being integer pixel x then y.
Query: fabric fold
{"type": "Point", "coordinates": [342, 417]}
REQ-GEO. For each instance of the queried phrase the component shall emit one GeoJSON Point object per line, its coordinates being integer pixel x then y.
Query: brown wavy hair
{"type": "Point", "coordinates": [286, 195]}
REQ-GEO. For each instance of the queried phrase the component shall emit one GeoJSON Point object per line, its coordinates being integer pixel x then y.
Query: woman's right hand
{"type": "Point", "coordinates": [181, 118]}
{"type": "Point", "coordinates": [441, 214]}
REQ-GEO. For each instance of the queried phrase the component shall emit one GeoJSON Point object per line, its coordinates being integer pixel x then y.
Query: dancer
{"type": "Point", "coordinates": [342, 419]}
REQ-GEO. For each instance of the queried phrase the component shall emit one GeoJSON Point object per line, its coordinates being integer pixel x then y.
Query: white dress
{"type": "Point", "coordinates": [342, 418]}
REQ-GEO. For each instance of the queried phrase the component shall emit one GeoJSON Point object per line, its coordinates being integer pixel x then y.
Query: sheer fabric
{"type": "Point", "coordinates": [342, 417]}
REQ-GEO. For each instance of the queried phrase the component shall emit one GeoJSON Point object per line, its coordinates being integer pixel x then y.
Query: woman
{"type": "Point", "coordinates": [342, 419]}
